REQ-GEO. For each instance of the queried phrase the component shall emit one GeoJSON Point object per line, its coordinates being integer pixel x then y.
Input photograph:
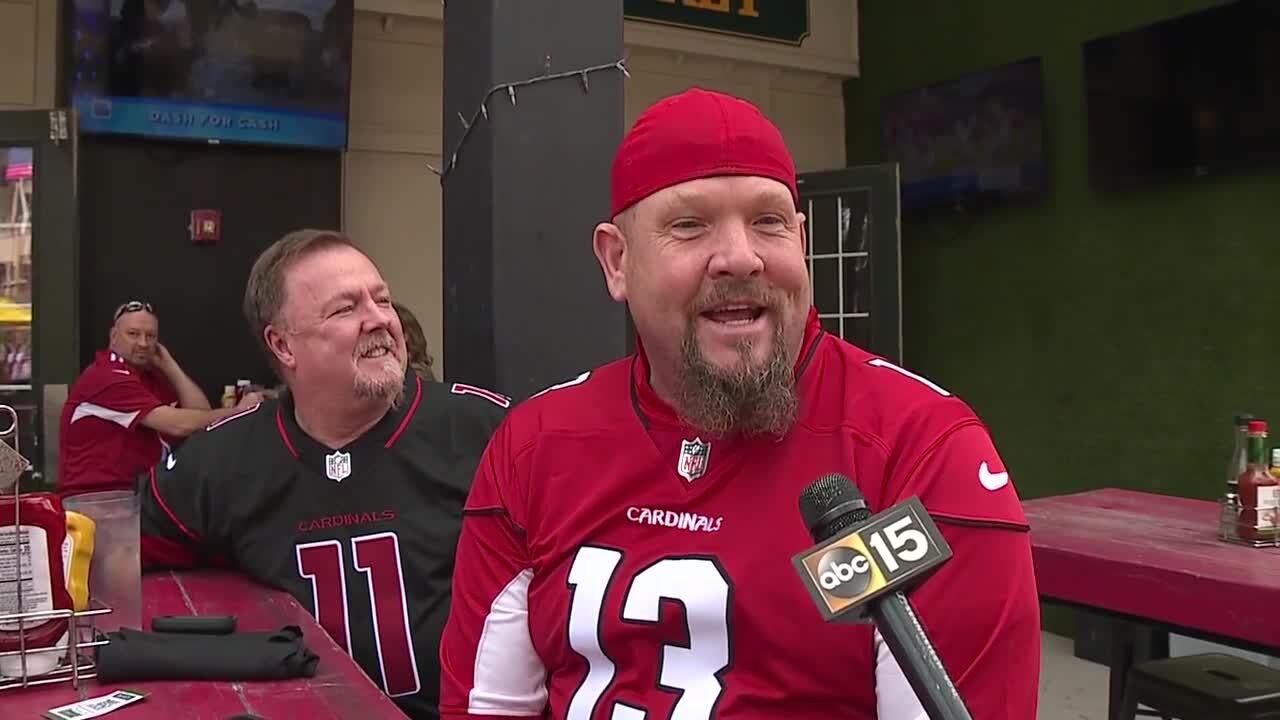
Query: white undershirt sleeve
{"type": "Point", "coordinates": [895, 700]}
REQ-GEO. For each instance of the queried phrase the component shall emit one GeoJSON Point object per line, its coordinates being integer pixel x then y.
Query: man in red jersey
{"type": "Point", "coordinates": [626, 546]}
{"type": "Point", "coordinates": [128, 406]}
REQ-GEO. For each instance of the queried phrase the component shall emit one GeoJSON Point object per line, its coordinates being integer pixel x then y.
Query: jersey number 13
{"type": "Point", "coordinates": [697, 583]}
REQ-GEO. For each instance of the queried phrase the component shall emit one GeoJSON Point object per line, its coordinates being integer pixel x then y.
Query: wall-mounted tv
{"type": "Point", "coordinates": [271, 72]}
{"type": "Point", "coordinates": [971, 140]}
{"type": "Point", "coordinates": [1192, 95]}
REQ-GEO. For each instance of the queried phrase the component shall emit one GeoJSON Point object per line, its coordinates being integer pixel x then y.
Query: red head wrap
{"type": "Point", "coordinates": [697, 134]}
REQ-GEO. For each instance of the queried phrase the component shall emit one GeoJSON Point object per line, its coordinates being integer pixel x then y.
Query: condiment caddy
{"type": "Point", "coordinates": [1250, 508]}
{"type": "Point", "coordinates": [47, 615]}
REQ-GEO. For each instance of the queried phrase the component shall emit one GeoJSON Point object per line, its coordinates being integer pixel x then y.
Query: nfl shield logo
{"type": "Point", "coordinates": [694, 455]}
{"type": "Point", "coordinates": [337, 466]}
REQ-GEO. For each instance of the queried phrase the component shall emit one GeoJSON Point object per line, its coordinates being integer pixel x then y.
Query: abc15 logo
{"type": "Point", "coordinates": [845, 571]}
{"type": "Point", "coordinates": [885, 553]}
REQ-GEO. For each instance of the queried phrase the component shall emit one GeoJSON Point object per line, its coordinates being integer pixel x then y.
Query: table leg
{"type": "Point", "coordinates": [1130, 644]}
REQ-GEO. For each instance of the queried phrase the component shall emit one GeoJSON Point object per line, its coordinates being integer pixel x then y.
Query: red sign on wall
{"type": "Point", "coordinates": [206, 226]}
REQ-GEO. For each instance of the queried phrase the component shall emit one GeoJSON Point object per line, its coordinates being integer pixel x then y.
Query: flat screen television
{"type": "Point", "coordinates": [971, 140]}
{"type": "Point", "coordinates": [272, 72]}
{"type": "Point", "coordinates": [1192, 95]}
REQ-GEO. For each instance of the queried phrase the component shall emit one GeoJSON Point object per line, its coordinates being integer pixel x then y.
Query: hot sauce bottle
{"type": "Point", "coordinates": [1259, 489]}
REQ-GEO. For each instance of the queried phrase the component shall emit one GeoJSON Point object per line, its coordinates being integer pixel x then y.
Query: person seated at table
{"type": "Point", "coordinates": [346, 492]}
{"type": "Point", "coordinates": [126, 407]}
{"type": "Point", "coordinates": [415, 341]}
{"type": "Point", "coordinates": [627, 545]}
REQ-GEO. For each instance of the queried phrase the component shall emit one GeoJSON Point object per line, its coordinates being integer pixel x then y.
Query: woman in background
{"type": "Point", "coordinates": [416, 342]}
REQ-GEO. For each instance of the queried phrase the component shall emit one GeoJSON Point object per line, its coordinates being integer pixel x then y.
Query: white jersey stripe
{"type": "Point", "coordinates": [881, 362]}
{"type": "Point", "coordinates": [86, 410]}
{"type": "Point", "coordinates": [509, 677]}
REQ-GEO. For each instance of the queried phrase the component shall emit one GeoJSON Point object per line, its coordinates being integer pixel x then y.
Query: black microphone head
{"type": "Point", "coordinates": [830, 504]}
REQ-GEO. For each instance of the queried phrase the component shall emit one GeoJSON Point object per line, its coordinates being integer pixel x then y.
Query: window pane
{"type": "Point", "coordinates": [858, 332]}
{"type": "Point", "coordinates": [824, 225]}
{"type": "Point", "coordinates": [856, 222]}
{"type": "Point", "coordinates": [857, 284]}
{"type": "Point", "coordinates": [17, 175]}
{"type": "Point", "coordinates": [826, 285]}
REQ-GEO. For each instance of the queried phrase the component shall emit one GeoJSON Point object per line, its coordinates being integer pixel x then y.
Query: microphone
{"type": "Point", "coordinates": [860, 569]}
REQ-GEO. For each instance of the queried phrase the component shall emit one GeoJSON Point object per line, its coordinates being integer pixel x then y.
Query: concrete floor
{"type": "Point", "coordinates": [1070, 688]}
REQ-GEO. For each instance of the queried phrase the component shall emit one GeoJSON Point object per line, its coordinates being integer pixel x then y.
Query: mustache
{"type": "Point", "coordinates": [736, 290]}
{"type": "Point", "coordinates": [374, 341]}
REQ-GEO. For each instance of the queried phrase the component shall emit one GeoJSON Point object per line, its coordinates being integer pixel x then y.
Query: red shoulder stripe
{"type": "Point", "coordinates": [417, 398]}
{"type": "Point", "coordinates": [155, 492]}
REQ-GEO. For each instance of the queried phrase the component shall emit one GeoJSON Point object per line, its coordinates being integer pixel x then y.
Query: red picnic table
{"type": "Point", "coordinates": [1153, 563]}
{"type": "Point", "coordinates": [339, 690]}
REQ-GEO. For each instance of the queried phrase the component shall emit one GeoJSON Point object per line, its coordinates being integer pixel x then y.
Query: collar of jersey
{"type": "Point", "coordinates": [383, 434]}
{"type": "Point", "coordinates": [108, 358]}
{"type": "Point", "coordinates": [653, 411]}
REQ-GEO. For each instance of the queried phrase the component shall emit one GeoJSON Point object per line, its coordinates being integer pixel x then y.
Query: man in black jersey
{"type": "Point", "coordinates": [347, 492]}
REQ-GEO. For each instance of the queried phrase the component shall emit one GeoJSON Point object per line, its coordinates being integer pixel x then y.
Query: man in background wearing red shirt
{"type": "Point", "coordinates": [626, 546]}
{"type": "Point", "coordinates": [128, 406]}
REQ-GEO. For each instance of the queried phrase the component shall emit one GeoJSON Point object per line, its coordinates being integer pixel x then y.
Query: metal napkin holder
{"type": "Point", "coordinates": [1229, 524]}
{"type": "Point", "coordinates": [78, 665]}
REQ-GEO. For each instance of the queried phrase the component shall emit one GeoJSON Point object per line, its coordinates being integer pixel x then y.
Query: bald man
{"type": "Point", "coordinates": [128, 406]}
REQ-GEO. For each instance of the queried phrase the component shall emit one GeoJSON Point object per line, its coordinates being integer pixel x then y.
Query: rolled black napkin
{"type": "Point", "coordinates": [132, 656]}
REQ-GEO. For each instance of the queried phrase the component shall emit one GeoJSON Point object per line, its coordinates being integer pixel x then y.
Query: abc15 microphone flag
{"type": "Point", "coordinates": [891, 551]}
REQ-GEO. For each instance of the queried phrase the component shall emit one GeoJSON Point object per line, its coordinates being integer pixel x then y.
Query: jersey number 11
{"type": "Point", "coordinates": [377, 557]}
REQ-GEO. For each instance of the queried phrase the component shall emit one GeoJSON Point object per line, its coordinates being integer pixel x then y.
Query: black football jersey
{"type": "Point", "coordinates": [363, 536]}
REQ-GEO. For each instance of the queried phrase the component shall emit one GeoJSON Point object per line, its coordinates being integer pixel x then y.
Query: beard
{"type": "Point", "coordinates": [385, 381]}
{"type": "Point", "coordinates": [750, 398]}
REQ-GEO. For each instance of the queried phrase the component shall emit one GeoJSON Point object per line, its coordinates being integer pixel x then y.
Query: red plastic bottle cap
{"type": "Point", "coordinates": [1257, 426]}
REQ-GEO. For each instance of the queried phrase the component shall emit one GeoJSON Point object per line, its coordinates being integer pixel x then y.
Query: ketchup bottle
{"type": "Point", "coordinates": [37, 547]}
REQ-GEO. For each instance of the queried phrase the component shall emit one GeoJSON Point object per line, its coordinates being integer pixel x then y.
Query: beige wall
{"type": "Point", "coordinates": [392, 201]}
{"type": "Point", "coordinates": [28, 53]}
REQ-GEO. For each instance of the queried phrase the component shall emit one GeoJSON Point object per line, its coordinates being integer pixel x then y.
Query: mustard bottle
{"type": "Point", "coordinates": [77, 556]}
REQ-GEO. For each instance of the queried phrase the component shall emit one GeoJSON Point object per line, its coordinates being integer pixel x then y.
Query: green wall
{"type": "Point", "coordinates": [1106, 337]}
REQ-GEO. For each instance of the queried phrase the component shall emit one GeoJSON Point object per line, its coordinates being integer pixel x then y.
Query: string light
{"type": "Point", "coordinates": [482, 112]}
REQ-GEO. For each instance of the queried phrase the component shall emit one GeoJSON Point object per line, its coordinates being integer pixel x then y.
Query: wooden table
{"type": "Point", "coordinates": [1153, 562]}
{"type": "Point", "coordinates": [339, 691]}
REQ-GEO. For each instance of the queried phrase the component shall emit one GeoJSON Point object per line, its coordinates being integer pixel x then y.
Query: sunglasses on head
{"type": "Point", "coordinates": [131, 307]}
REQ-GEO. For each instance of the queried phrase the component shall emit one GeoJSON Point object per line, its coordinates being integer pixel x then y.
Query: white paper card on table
{"type": "Point", "coordinates": [95, 707]}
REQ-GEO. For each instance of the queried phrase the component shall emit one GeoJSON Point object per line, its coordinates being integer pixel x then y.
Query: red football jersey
{"type": "Point", "coordinates": [614, 564]}
{"type": "Point", "coordinates": [104, 444]}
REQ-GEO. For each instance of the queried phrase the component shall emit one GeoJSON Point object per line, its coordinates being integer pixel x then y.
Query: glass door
{"type": "Point", "coordinates": [38, 280]}
{"type": "Point", "coordinates": [855, 254]}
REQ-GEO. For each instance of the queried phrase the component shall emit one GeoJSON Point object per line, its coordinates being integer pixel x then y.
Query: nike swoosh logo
{"type": "Point", "coordinates": [992, 481]}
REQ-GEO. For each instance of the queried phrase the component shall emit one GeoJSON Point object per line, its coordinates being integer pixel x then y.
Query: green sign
{"type": "Point", "coordinates": [783, 21]}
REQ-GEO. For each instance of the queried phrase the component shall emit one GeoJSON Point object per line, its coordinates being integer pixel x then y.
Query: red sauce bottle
{"type": "Point", "coordinates": [1259, 489]}
{"type": "Point", "coordinates": [40, 538]}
